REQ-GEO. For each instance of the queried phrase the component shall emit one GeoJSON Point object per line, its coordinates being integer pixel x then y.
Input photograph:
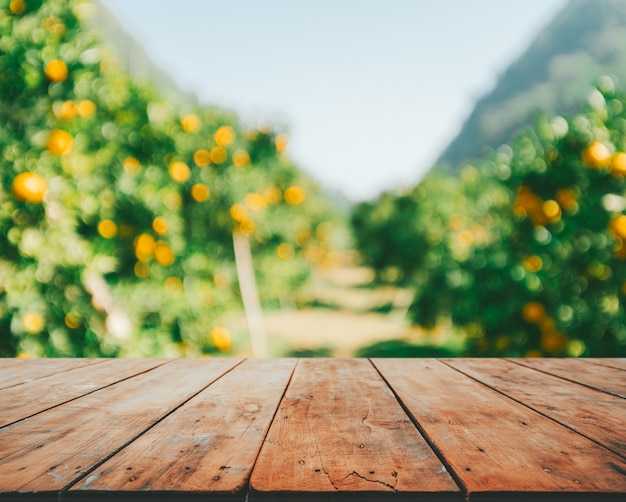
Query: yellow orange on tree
{"type": "Point", "coordinates": [220, 337]}
{"type": "Point", "coordinates": [56, 70]}
{"type": "Point", "coordinates": [224, 135]}
{"type": "Point", "coordinates": [179, 171]}
{"type": "Point", "coordinates": [60, 142]}
{"type": "Point", "coordinates": [597, 154]}
{"type": "Point", "coordinates": [29, 187]}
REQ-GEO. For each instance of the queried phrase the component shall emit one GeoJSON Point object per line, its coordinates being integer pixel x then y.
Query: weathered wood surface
{"type": "Point", "coordinates": [318, 429]}
{"type": "Point", "coordinates": [48, 451]}
{"type": "Point", "coordinates": [62, 387]}
{"type": "Point", "coordinates": [494, 444]}
{"type": "Point", "coordinates": [601, 377]}
{"type": "Point", "coordinates": [596, 415]}
{"type": "Point", "coordinates": [209, 445]}
{"type": "Point", "coordinates": [19, 371]}
{"type": "Point", "coordinates": [340, 429]}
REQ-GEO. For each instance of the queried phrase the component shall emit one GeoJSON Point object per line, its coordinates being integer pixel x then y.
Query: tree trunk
{"type": "Point", "coordinates": [250, 295]}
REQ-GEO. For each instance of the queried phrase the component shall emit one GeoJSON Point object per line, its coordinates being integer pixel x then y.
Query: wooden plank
{"type": "Point", "coordinates": [18, 371]}
{"type": "Point", "coordinates": [48, 451]}
{"type": "Point", "coordinates": [207, 446]}
{"type": "Point", "coordinates": [63, 387]}
{"type": "Point", "coordinates": [498, 447]}
{"type": "Point", "coordinates": [596, 376]}
{"type": "Point", "coordinates": [617, 363]}
{"type": "Point", "coordinates": [339, 432]}
{"type": "Point", "coordinates": [594, 414]}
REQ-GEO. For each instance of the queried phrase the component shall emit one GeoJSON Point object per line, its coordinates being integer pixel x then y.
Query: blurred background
{"type": "Point", "coordinates": [231, 179]}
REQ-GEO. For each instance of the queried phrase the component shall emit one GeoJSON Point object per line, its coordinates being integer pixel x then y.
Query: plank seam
{"type": "Point", "coordinates": [606, 363]}
{"type": "Point", "coordinates": [97, 361]}
{"type": "Point", "coordinates": [502, 393]}
{"type": "Point", "coordinates": [271, 422]}
{"type": "Point", "coordinates": [141, 433]}
{"type": "Point", "coordinates": [433, 446]}
{"type": "Point", "coordinates": [85, 394]}
{"type": "Point", "coordinates": [567, 379]}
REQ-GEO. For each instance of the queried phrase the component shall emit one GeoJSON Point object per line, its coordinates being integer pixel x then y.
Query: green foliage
{"type": "Point", "coordinates": [117, 209]}
{"type": "Point", "coordinates": [402, 348]}
{"type": "Point", "coordinates": [525, 251]}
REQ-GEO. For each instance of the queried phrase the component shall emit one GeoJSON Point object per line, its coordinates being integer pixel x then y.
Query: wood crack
{"type": "Point", "coordinates": [391, 487]}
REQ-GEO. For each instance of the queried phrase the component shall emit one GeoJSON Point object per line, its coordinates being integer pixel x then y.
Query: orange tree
{"type": "Point", "coordinates": [524, 251]}
{"type": "Point", "coordinates": [117, 208]}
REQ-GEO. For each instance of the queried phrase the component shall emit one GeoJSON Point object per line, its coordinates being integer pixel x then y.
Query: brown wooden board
{"type": "Point", "coordinates": [207, 446]}
{"type": "Point", "coordinates": [59, 388]}
{"type": "Point", "coordinates": [592, 413]}
{"type": "Point", "coordinates": [19, 371]}
{"type": "Point", "coordinates": [581, 371]}
{"type": "Point", "coordinates": [497, 447]}
{"type": "Point", "coordinates": [50, 450]}
{"type": "Point", "coordinates": [339, 432]}
{"type": "Point", "coordinates": [618, 363]}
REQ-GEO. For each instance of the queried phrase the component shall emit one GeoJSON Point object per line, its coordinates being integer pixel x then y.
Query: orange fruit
{"type": "Point", "coordinates": [86, 108]}
{"type": "Point", "coordinates": [144, 247]}
{"type": "Point", "coordinates": [33, 322]}
{"type": "Point", "coordinates": [68, 110]}
{"type": "Point", "coordinates": [190, 123]}
{"type": "Point", "coordinates": [200, 192]}
{"type": "Point", "coordinates": [597, 155]}
{"type": "Point", "coordinates": [218, 154]}
{"type": "Point", "coordinates": [29, 187]}
{"type": "Point", "coordinates": [60, 142]}
{"type": "Point", "coordinates": [285, 251]}
{"type": "Point", "coordinates": [618, 226]}
{"type": "Point", "coordinates": [618, 164]}
{"type": "Point", "coordinates": [17, 6]}
{"type": "Point", "coordinates": [107, 229]}
{"type": "Point", "coordinates": [202, 158]}
{"type": "Point", "coordinates": [255, 201]}
{"type": "Point", "coordinates": [241, 158]}
{"type": "Point", "coordinates": [220, 337]}
{"type": "Point", "coordinates": [159, 225]}
{"type": "Point", "coordinates": [238, 213]}
{"type": "Point", "coordinates": [533, 263]}
{"type": "Point", "coordinates": [163, 254]}
{"type": "Point", "coordinates": [281, 141]}
{"type": "Point", "coordinates": [56, 70]}
{"type": "Point", "coordinates": [566, 199]}
{"type": "Point", "coordinates": [533, 312]}
{"type": "Point", "coordinates": [131, 165]}
{"type": "Point", "coordinates": [553, 342]}
{"type": "Point", "coordinates": [179, 171]}
{"type": "Point", "coordinates": [224, 135]}
{"type": "Point", "coordinates": [295, 195]}
{"type": "Point", "coordinates": [552, 210]}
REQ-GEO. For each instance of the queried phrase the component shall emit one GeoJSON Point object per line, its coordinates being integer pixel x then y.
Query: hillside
{"type": "Point", "coordinates": [586, 40]}
{"type": "Point", "coordinates": [132, 55]}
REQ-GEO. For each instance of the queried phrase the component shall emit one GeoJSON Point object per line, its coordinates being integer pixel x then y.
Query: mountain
{"type": "Point", "coordinates": [134, 58]}
{"type": "Point", "coordinates": [586, 40]}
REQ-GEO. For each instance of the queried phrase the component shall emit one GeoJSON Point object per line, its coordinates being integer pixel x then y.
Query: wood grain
{"type": "Point", "coordinates": [207, 446]}
{"type": "Point", "coordinates": [339, 430]}
{"type": "Point", "coordinates": [65, 386]}
{"type": "Point", "coordinates": [495, 445]}
{"type": "Point", "coordinates": [594, 414]}
{"type": "Point", "coordinates": [48, 451]}
{"type": "Point", "coordinates": [18, 371]}
{"type": "Point", "coordinates": [617, 363]}
{"type": "Point", "coordinates": [597, 376]}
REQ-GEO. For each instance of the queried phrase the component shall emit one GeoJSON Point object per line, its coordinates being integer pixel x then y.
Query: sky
{"type": "Point", "coordinates": [370, 92]}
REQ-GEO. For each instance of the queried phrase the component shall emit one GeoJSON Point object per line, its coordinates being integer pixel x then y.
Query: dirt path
{"type": "Point", "coordinates": [351, 314]}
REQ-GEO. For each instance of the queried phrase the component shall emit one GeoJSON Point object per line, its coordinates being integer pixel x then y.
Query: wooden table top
{"type": "Point", "coordinates": [313, 429]}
